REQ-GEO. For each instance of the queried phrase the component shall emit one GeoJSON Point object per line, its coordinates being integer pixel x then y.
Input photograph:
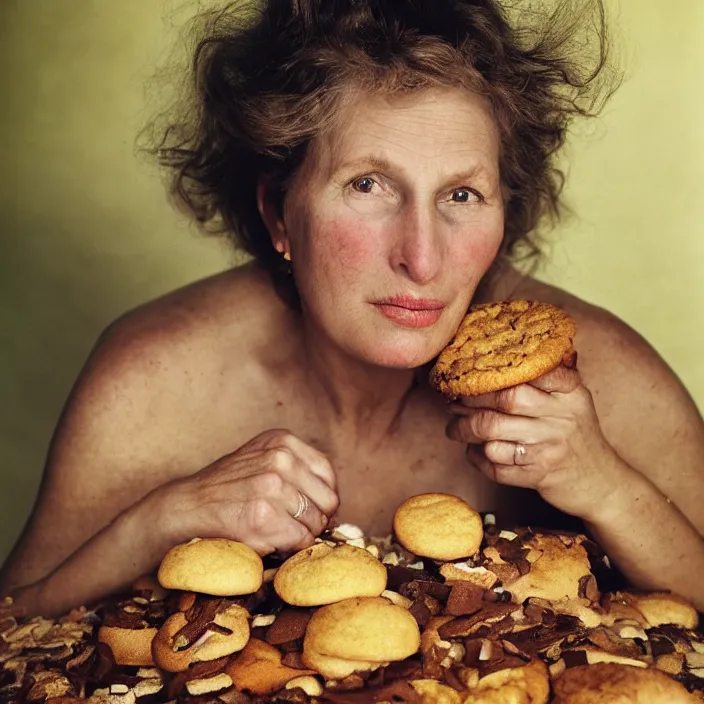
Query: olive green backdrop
{"type": "Point", "coordinates": [87, 231]}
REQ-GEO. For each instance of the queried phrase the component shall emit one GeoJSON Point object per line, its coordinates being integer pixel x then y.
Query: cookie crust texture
{"type": "Point", "coordinates": [212, 566]}
{"type": "Point", "coordinates": [321, 575]}
{"type": "Point", "coordinates": [439, 526]}
{"type": "Point", "coordinates": [363, 629]}
{"type": "Point", "coordinates": [502, 344]}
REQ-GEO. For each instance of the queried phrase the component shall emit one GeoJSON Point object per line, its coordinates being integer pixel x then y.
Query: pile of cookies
{"type": "Point", "coordinates": [448, 609]}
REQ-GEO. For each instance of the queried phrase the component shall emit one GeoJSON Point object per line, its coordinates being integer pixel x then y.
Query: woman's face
{"type": "Point", "coordinates": [392, 221]}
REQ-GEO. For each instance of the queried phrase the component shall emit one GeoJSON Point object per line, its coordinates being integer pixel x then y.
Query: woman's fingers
{"type": "Point", "coordinates": [297, 471]}
{"type": "Point", "coordinates": [266, 526]}
{"type": "Point", "coordinates": [530, 399]}
{"type": "Point", "coordinates": [479, 425]}
{"type": "Point", "coordinates": [509, 453]}
{"type": "Point", "coordinates": [282, 453]}
{"type": "Point", "coordinates": [508, 474]}
{"type": "Point", "coordinates": [297, 504]}
{"type": "Point", "coordinates": [561, 380]}
{"type": "Point", "coordinates": [315, 460]}
{"type": "Point", "coordinates": [274, 493]}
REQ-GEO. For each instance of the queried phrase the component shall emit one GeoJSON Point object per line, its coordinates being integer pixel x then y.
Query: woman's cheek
{"type": "Point", "coordinates": [477, 252]}
{"type": "Point", "coordinates": [348, 247]}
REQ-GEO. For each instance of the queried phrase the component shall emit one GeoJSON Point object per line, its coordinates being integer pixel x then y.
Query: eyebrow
{"type": "Point", "coordinates": [379, 163]}
{"type": "Point", "coordinates": [373, 161]}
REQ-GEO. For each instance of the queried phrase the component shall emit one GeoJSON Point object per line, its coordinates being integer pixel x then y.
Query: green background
{"type": "Point", "coordinates": [88, 232]}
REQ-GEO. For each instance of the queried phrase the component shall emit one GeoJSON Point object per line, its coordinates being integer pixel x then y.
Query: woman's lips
{"type": "Point", "coordinates": [411, 312]}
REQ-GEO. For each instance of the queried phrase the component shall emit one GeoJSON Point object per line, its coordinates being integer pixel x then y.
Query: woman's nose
{"type": "Point", "coordinates": [417, 246]}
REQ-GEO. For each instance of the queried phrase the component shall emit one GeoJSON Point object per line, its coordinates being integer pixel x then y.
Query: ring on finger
{"type": "Point", "coordinates": [519, 453]}
{"type": "Point", "coordinates": [303, 503]}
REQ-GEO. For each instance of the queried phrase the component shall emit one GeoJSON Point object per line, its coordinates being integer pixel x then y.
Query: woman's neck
{"type": "Point", "coordinates": [363, 401]}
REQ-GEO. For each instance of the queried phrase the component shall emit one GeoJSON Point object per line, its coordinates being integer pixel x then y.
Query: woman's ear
{"type": "Point", "coordinates": [270, 212]}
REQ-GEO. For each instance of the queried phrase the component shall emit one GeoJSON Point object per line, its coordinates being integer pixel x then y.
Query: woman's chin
{"type": "Point", "coordinates": [402, 354]}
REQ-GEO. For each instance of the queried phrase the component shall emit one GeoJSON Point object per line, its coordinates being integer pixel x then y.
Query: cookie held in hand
{"type": "Point", "coordinates": [503, 344]}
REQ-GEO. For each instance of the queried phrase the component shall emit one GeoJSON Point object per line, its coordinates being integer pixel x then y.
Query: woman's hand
{"type": "Point", "coordinates": [545, 436]}
{"type": "Point", "coordinates": [252, 496]}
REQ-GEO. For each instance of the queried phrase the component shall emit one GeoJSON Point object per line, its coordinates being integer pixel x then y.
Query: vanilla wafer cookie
{"type": "Point", "coordinates": [503, 344]}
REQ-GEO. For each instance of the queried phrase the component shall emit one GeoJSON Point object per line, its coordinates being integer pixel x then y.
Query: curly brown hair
{"type": "Point", "coordinates": [269, 78]}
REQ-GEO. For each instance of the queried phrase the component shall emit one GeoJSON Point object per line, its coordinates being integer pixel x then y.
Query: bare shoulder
{"type": "Point", "coordinates": [615, 361]}
{"type": "Point", "coordinates": [174, 352]}
{"type": "Point", "coordinates": [643, 408]}
{"type": "Point", "coordinates": [149, 406]}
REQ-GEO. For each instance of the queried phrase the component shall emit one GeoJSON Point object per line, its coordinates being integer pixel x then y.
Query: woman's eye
{"type": "Point", "coordinates": [364, 184]}
{"type": "Point", "coordinates": [465, 195]}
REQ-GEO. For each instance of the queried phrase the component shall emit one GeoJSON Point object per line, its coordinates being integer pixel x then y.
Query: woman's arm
{"type": "Point", "coordinates": [649, 538]}
{"type": "Point", "coordinates": [107, 563]}
{"type": "Point", "coordinates": [627, 456]}
{"type": "Point", "coordinates": [131, 473]}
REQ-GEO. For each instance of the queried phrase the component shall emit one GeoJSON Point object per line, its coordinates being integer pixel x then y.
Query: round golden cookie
{"type": "Point", "coordinates": [439, 526]}
{"type": "Point", "coordinates": [130, 646]}
{"type": "Point", "coordinates": [322, 575]}
{"type": "Point", "coordinates": [502, 344]}
{"type": "Point", "coordinates": [212, 566]}
{"type": "Point", "coordinates": [610, 683]}
{"type": "Point", "coordinates": [357, 634]}
{"type": "Point", "coordinates": [211, 645]}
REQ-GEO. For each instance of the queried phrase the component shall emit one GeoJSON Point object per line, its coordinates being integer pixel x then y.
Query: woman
{"type": "Point", "coordinates": [382, 161]}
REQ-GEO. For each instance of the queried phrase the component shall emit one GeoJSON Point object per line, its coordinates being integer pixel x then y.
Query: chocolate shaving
{"type": "Point", "coordinates": [574, 658]}
{"type": "Point", "coordinates": [507, 572]}
{"type": "Point", "coordinates": [121, 619]}
{"type": "Point", "coordinates": [419, 588]}
{"type": "Point", "coordinates": [75, 663]}
{"type": "Point", "coordinates": [197, 671]}
{"type": "Point", "coordinates": [452, 680]}
{"type": "Point", "coordinates": [231, 696]}
{"type": "Point", "coordinates": [500, 662]}
{"type": "Point", "coordinates": [607, 640]}
{"type": "Point", "coordinates": [432, 662]}
{"type": "Point", "coordinates": [290, 624]}
{"type": "Point", "coordinates": [509, 550]}
{"type": "Point", "coordinates": [408, 669]}
{"type": "Point", "coordinates": [511, 649]}
{"type": "Point", "coordinates": [291, 696]}
{"type": "Point", "coordinates": [199, 619]}
{"type": "Point", "coordinates": [98, 667]}
{"type": "Point", "coordinates": [587, 588]}
{"type": "Point", "coordinates": [465, 598]}
{"type": "Point", "coordinates": [540, 639]}
{"type": "Point", "coordinates": [421, 613]}
{"type": "Point", "coordinates": [294, 659]}
{"type": "Point", "coordinates": [397, 575]}
{"type": "Point", "coordinates": [523, 566]}
{"type": "Point", "coordinates": [472, 648]}
{"type": "Point", "coordinates": [398, 692]}
{"type": "Point", "coordinates": [255, 602]}
{"type": "Point", "coordinates": [464, 626]}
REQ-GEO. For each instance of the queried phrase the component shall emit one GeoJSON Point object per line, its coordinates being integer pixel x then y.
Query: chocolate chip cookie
{"type": "Point", "coordinates": [503, 344]}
